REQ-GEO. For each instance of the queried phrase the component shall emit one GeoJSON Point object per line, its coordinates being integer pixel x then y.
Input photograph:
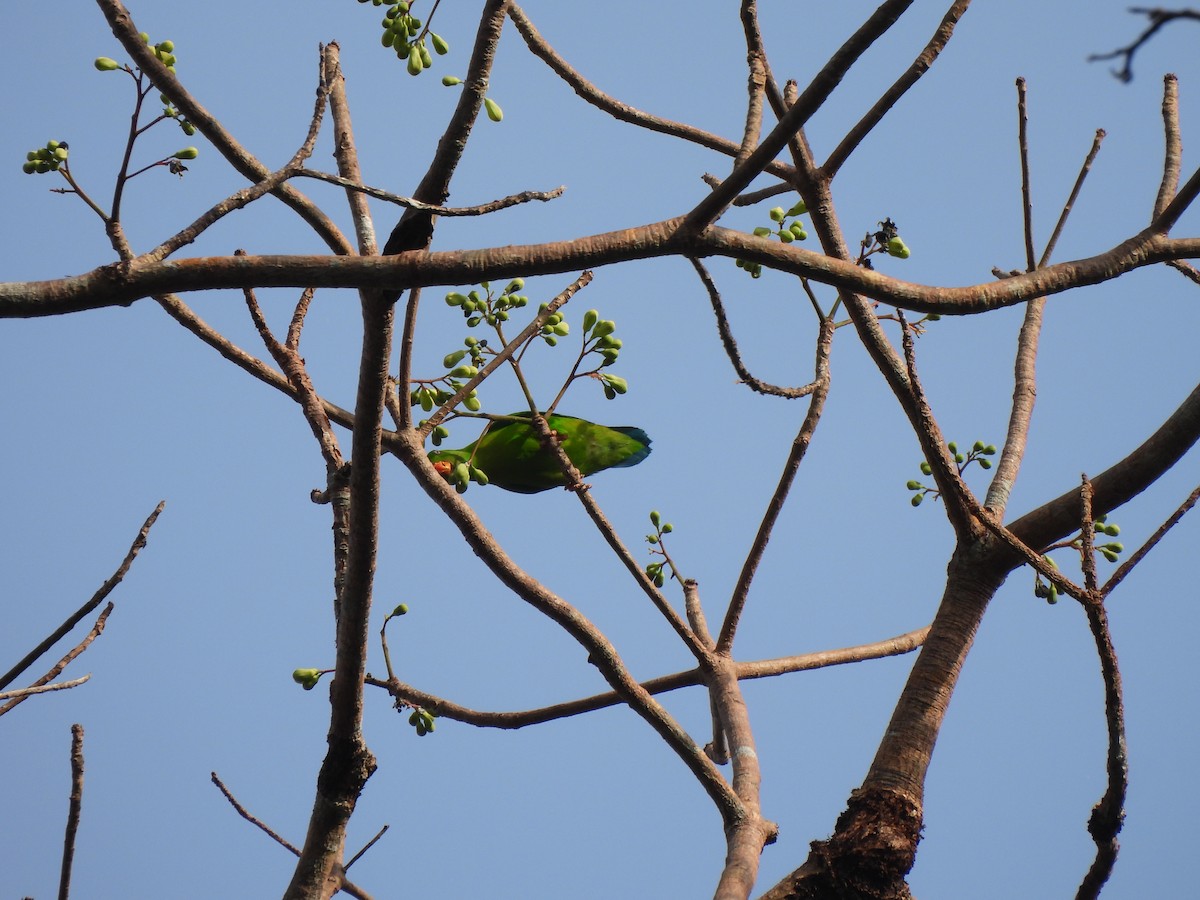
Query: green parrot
{"type": "Point", "coordinates": [511, 455]}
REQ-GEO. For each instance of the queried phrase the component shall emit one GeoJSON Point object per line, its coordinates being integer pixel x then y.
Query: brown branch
{"type": "Point", "coordinates": [1172, 145]}
{"type": "Point", "coordinates": [810, 100]}
{"type": "Point", "coordinates": [1158, 18]}
{"type": "Point", "coordinates": [251, 818]}
{"type": "Point", "coordinates": [481, 209]}
{"type": "Point", "coordinates": [241, 159]}
{"type": "Point", "coordinates": [45, 688]}
{"type": "Point", "coordinates": [767, 668]}
{"type": "Point", "coordinates": [919, 66]}
{"type": "Point", "coordinates": [1138, 555]}
{"type": "Point", "coordinates": [1109, 813]}
{"type": "Point", "coordinates": [615, 108]}
{"type": "Point", "coordinates": [97, 598]}
{"type": "Point", "coordinates": [601, 652]}
{"type": "Point", "coordinates": [73, 809]}
{"type": "Point", "coordinates": [816, 406]}
{"type": "Point", "coordinates": [1025, 365]}
{"type": "Point", "coordinates": [731, 348]}
{"type": "Point", "coordinates": [121, 285]}
{"type": "Point", "coordinates": [56, 669]}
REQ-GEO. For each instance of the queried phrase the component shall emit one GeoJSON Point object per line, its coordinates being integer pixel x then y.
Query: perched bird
{"type": "Point", "coordinates": [511, 455]}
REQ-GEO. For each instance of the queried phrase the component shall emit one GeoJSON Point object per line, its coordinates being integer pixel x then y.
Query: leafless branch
{"type": "Point", "coordinates": [1157, 17]}
{"type": "Point", "coordinates": [767, 668]}
{"type": "Point", "coordinates": [45, 688]}
{"type": "Point", "coordinates": [481, 209]}
{"type": "Point", "coordinates": [97, 598]}
{"type": "Point", "coordinates": [74, 806]}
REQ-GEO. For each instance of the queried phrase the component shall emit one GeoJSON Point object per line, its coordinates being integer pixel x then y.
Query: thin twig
{"type": "Point", "coordinates": [1158, 18]}
{"type": "Point", "coordinates": [73, 653]}
{"type": "Point", "coordinates": [481, 209]}
{"type": "Point", "coordinates": [730, 343]}
{"type": "Point", "coordinates": [73, 811]}
{"type": "Point", "coordinates": [766, 668]}
{"type": "Point", "coordinates": [105, 589]}
{"type": "Point", "coordinates": [249, 817]}
{"type": "Point", "coordinates": [787, 477]}
{"type": "Point", "coordinates": [44, 688]}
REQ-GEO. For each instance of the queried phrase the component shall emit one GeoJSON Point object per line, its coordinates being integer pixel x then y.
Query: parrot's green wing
{"type": "Point", "coordinates": [512, 456]}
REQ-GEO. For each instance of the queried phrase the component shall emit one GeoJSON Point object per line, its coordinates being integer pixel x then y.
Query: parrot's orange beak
{"type": "Point", "coordinates": [443, 468]}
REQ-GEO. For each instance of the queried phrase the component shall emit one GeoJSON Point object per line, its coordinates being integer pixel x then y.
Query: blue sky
{"type": "Point", "coordinates": [109, 412]}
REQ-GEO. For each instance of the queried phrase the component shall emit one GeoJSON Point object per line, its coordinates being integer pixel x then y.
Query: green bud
{"type": "Point", "coordinates": [786, 236]}
{"type": "Point", "coordinates": [1111, 530]}
{"type": "Point", "coordinates": [426, 399]}
{"type": "Point", "coordinates": [1115, 546]}
{"type": "Point", "coordinates": [933, 317]}
{"type": "Point", "coordinates": [479, 476]}
{"type": "Point", "coordinates": [451, 80]}
{"type": "Point", "coordinates": [668, 528]}
{"type": "Point", "coordinates": [439, 44]}
{"type": "Point", "coordinates": [798, 210]}
{"type": "Point", "coordinates": [651, 539]}
{"type": "Point", "coordinates": [914, 485]}
{"type": "Point", "coordinates": [897, 248]}
{"type": "Point", "coordinates": [984, 463]}
{"type": "Point", "coordinates": [952, 447]}
{"type": "Point", "coordinates": [916, 499]}
{"type": "Point", "coordinates": [165, 46]}
{"type": "Point", "coordinates": [400, 610]}
{"type": "Point", "coordinates": [655, 518]}
{"type": "Point", "coordinates": [29, 168]}
{"type": "Point", "coordinates": [473, 404]}
{"type": "Point", "coordinates": [550, 339]}
{"type": "Point", "coordinates": [494, 112]}
{"type": "Point", "coordinates": [105, 64]}
{"type": "Point", "coordinates": [926, 469]}
{"type": "Point", "coordinates": [761, 231]}
{"type": "Point", "coordinates": [590, 318]}
{"type": "Point", "coordinates": [603, 328]}
{"type": "Point", "coordinates": [145, 37]}
{"type": "Point", "coordinates": [990, 450]}
{"type": "Point", "coordinates": [415, 65]}
{"type": "Point", "coordinates": [777, 214]}
{"type": "Point", "coordinates": [514, 286]}
{"type": "Point", "coordinates": [618, 384]}
{"type": "Point", "coordinates": [463, 371]}
{"type": "Point", "coordinates": [977, 447]}
{"type": "Point", "coordinates": [426, 57]}
{"type": "Point", "coordinates": [452, 359]}
{"type": "Point", "coordinates": [186, 153]}
{"type": "Point", "coordinates": [562, 329]}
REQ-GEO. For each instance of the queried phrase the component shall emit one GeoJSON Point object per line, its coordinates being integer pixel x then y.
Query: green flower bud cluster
{"type": "Point", "coordinates": [886, 240]}
{"type": "Point", "coordinates": [164, 51]}
{"type": "Point", "coordinates": [45, 159]}
{"type": "Point", "coordinates": [1112, 549]}
{"type": "Point", "coordinates": [406, 34]}
{"type": "Point", "coordinates": [307, 678]}
{"type": "Point", "coordinates": [554, 327]}
{"type": "Point", "coordinates": [427, 395]}
{"type": "Point", "coordinates": [782, 229]}
{"type": "Point", "coordinates": [464, 473]}
{"type": "Point", "coordinates": [491, 309]}
{"type": "Point", "coordinates": [422, 720]}
{"type": "Point", "coordinates": [654, 570]}
{"type": "Point", "coordinates": [979, 453]}
{"type": "Point", "coordinates": [1045, 590]}
{"type": "Point", "coordinates": [599, 339]}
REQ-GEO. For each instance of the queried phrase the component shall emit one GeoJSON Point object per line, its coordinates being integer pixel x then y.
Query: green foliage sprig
{"type": "Point", "coordinates": [410, 37]}
{"type": "Point", "coordinates": [978, 453]}
{"type": "Point", "coordinates": [781, 229]}
{"type": "Point", "coordinates": [1111, 551]}
{"type": "Point", "coordinates": [654, 570]}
